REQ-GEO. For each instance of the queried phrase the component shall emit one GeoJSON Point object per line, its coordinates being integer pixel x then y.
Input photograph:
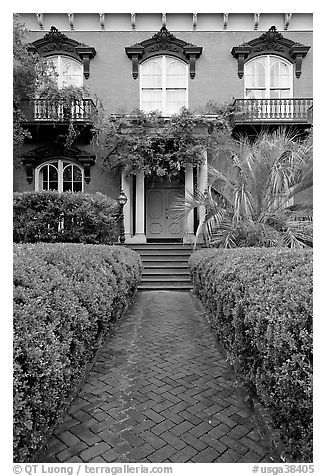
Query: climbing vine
{"type": "Point", "coordinates": [153, 144]}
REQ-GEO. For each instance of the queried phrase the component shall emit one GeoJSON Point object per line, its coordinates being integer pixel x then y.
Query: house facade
{"type": "Point", "coordinates": [259, 63]}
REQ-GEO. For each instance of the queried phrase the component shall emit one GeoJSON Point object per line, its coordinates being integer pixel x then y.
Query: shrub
{"type": "Point", "coordinates": [64, 217]}
{"type": "Point", "coordinates": [66, 298]}
{"type": "Point", "coordinates": [260, 306]}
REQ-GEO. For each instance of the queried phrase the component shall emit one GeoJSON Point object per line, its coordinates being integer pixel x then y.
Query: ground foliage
{"type": "Point", "coordinates": [72, 217]}
{"type": "Point", "coordinates": [259, 302]}
{"type": "Point", "coordinates": [66, 299]}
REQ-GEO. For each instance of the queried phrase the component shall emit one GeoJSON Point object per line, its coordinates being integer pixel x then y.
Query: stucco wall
{"type": "Point", "coordinates": [216, 69]}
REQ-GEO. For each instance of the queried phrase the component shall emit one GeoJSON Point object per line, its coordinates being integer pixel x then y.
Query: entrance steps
{"type": "Point", "coordinates": [165, 266]}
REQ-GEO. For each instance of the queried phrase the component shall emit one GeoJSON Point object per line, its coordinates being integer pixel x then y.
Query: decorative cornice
{"type": "Point", "coordinates": [163, 42]}
{"type": "Point", "coordinates": [270, 42]}
{"type": "Point", "coordinates": [36, 156]}
{"type": "Point", "coordinates": [55, 42]}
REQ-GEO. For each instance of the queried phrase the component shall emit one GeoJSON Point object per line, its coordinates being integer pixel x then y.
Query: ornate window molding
{"type": "Point", "coordinates": [56, 43]}
{"type": "Point", "coordinates": [37, 156]}
{"type": "Point", "coordinates": [163, 43]}
{"type": "Point", "coordinates": [270, 42]}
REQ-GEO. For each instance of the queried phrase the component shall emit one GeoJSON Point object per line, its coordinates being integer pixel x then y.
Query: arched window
{"type": "Point", "coordinates": [163, 85]}
{"type": "Point", "coordinates": [59, 175]}
{"type": "Point", "coordinates": [268, 77]}
{"type": "Point", "coordinates": [69, 72]}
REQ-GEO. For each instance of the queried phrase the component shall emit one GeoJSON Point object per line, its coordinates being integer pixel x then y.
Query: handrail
{"type": "Point", "coordinates": [290, 109]}
{"type": "Point", "coordinates": [47, 110]}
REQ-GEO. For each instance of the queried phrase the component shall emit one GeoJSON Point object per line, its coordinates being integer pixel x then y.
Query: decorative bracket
{"type": "Point", "coordinates": [55, 42]}
{"type": "Point", "coordinates": [270, 42]}
{"type": "Point", "coordinates": [135, 53]}
{"type": "Point", "coordinates": [241, 53]}
{"type": "Point", "coordinates": [102, 20]}
{"type": "Point", "coordinates": [71, 21]}
{"type": "Point", "coordinates": [287, 19]}
{"type": "Point", "coordinates": [163, 42]}
{"type": "Point", "coordinates": [40, 20]}
{"type": "Point", "coordinates": [29, 163]}
{"type": "Point", "coordinates": [86, 53]}
{"type": "Point", "coordinates": [133, 21]}
{"type": "Point", "coordinates": [256, 21]}
{"type": "Point", "coordinates": [194, 21]}
{"type": "Point", "coordinates": [298, 52]}
{"type": "Point", "coordinates": [225, 20]}
{"type": "Point", "coordinates": [192, 53]}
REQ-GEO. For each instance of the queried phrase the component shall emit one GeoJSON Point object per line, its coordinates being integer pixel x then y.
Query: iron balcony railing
{"type": "Point", "coordinates": [272, 110]}
{"type": "Point", "coordinates": [46, 110]}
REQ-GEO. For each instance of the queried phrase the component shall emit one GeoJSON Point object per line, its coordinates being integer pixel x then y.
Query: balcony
{"type": "Point", "coordinates": [294, 111]}
{"type": "Point", "coordinates": [48, 111]}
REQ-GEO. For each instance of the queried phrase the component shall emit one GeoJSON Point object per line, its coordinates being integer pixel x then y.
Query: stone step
{"type": "Point", "coordinates": [165, 264]}
{"type": "Point", "coordinates": [165, 271]}
{"type": "Point", "coordinates": [161, 246]}
{"type": "Point", "coordinates": [164, 287]}
{"type": "Point", "coordinates": [165, 279]}
{"type": "Point", "coordinates": [163, 252]}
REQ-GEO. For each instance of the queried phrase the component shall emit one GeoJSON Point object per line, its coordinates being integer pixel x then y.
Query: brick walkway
{"type": "Point", "coordinates": [160, 392]}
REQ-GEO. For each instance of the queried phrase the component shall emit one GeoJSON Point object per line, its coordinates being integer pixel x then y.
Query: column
{"type": "Point", "coordinates": [125, 185]}
{"type": "Point", "coordinates": [189, 188]}
{"type": "Point", "coordinates": [202, 184]}
{"type": "Point", "coordinates": [140, 210]}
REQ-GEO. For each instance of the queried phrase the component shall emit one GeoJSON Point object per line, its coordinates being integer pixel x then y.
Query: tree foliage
{"type": "Point", "coordinates": [35, 77]}
{"type": "Point", "coordinates": [255, 190]}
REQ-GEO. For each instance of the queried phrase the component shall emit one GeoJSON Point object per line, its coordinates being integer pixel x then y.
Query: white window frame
{"type": "Point", "coordinates": [267, 87]}
{"type": "Point", "coordinates": [164, 88]}
{"type": "Point", "coordinates": [58, 64]}
{"type": "Point", "coordinates": [59, 161]}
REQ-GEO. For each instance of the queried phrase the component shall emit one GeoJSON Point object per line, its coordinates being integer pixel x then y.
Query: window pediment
{"type": "Point", "coordinates": [268, 43]}
{"type": "Point", "coordinates": [56, 43]}
{"type": "Point", "coordinates": [162, 43]}
{"type": "Point", "coordinates": [42, 154]}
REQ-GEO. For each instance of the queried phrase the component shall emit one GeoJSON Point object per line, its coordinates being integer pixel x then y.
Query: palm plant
{"type": "Point", "coordinates": [254, 195]}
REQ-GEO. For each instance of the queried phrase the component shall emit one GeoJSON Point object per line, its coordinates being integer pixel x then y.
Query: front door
{"type": "Point", "coordinates": [162, 220]}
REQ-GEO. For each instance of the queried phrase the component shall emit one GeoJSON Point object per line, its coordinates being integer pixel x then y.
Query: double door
{"type": "Point", "coordinates": [161, 217]}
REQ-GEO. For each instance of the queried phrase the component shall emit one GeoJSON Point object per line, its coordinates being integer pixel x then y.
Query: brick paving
{"type": "Point", "coordinates": [161, 391]}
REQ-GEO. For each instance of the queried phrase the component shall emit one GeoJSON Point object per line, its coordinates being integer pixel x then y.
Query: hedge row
{"type": "Point", "coordinates": [260, 305]}
{"type": "Point", "coordinates": [66, 297]}
{"type": "Point", "coordinates": [64, 217]}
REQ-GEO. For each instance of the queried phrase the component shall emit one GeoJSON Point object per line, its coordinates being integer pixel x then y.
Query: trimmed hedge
{"type": "Point", "coordinates": [66, 298]}
{"type": "Point", "coordinates": [259, 303]}
{"type": "Point", "coordinates": [86, 218]}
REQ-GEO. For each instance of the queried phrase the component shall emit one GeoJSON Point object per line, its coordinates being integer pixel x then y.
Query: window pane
{"type": "Point", "coordinates": [255, 74]}
{"type": "Point", "coordinates": [176, 74]}
{"type": "Point", "coordinates": [279, 93]}
{"type": "Point", "coordinates": [71, 72]}
{"type": "Point", "coordinates": [67, 172]}
{"type": "Point", "coordinates": [255, 93]}
{"type": "Point", "coordinates": [72, 178]}
{"type": "Point", "coordinates": [48, 177]}
{"type": "Point", "coordinates": [151, 100]}
{"type": "Point", "coordinates": [77, 174]}
{"type": "Point", "coordinates": [151, 75]}
{"type": "Point", "coordinates": [280, 74]}
{"type": "Point", "coordinates": [175, 100]}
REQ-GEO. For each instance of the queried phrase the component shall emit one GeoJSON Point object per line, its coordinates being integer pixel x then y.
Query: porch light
{"type": "Point", "coordinates": [122, 200]}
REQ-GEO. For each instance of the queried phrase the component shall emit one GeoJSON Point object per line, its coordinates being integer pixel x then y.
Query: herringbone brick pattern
{"type": "Point", "coordinates": [160, 392]}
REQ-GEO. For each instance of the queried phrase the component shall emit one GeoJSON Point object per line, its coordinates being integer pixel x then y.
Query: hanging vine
{"type": "Point", "coordinates": [153, 144]}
